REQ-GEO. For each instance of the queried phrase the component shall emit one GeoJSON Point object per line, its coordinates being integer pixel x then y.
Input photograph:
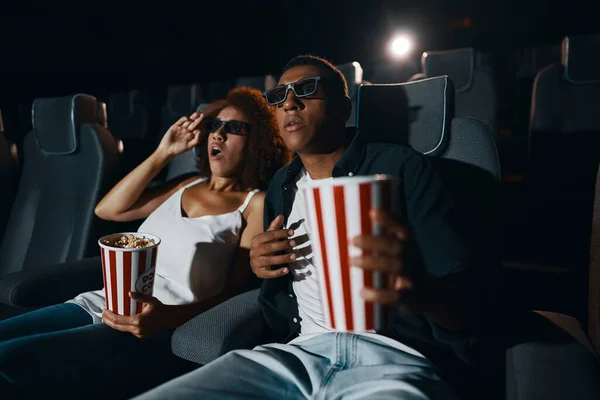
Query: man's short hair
{"type": "Point", "coordinates": [335, 79]}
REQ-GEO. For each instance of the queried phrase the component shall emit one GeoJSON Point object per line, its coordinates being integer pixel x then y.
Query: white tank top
{"type": "Point", "coordinates": [195, 256]}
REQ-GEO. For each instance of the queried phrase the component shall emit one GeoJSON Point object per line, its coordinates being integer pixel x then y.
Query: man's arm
{"type": "Point", "coordinates": [441, 266]}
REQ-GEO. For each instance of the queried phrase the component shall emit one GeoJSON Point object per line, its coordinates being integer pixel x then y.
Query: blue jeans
{"type": "Point", "coordinates": [332, 366]}
{"type": "Point", "coordinates": [57, 352]}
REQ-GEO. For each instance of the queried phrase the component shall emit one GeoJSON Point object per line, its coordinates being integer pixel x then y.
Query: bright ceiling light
{"type": "Point", "coordinates": [400, 46]}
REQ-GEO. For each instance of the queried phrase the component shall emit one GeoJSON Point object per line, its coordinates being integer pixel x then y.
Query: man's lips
{"type": "Point", "coordinates": [293, 123]}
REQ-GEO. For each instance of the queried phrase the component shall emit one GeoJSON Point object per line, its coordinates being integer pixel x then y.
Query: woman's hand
{"type": "Point", "coordinates": [182, 136]}
{"type": "Point", "coordinates": [153, 319]}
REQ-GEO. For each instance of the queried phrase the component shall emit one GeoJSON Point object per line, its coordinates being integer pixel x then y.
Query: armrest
{"type": "Point", "coordinates": [234, 324]}
{"type": "Point", "coordinates": [543, 361]}
{"type": "Point", "coordinates": [53, 285]}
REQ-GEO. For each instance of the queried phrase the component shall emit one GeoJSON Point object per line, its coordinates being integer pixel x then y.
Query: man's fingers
{"type": "Point", "coordinates": [268, 261]}
{"type": "Point", "coordinates": [271, 236]}
{"type": "Point", "coordinates": [380, 296]}
{"type": "Point", "coordinates": [266, 273]}
{"type": "Point", "coordinates": [389, 223]}
{"type": "Point", "coordinates": [377, 263]}
{"type": "Point", "coordinates": [385, 245]}
{"type": "Point", "coordinates": [273, 247]}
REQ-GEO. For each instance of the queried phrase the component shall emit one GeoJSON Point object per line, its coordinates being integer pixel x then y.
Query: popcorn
{"type": "Point", "coordinates": [130, 242]}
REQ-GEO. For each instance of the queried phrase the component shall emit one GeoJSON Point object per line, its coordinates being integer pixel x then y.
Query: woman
{"type": "Point", "coordinates": [206, 223]}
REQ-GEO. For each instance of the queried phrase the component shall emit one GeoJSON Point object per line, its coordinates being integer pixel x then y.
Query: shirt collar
{"type": "Point", "coordinates": [347, 165]}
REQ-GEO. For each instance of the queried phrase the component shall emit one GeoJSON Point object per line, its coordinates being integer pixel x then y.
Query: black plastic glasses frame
{"type": "Point", "coordinates": [231, 127]}
{"type": "Point", "coordinates": [268, 95]}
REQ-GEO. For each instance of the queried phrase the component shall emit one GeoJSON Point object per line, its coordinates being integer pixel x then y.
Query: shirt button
{"type": "Point", "coordinates": [291, 295]}
{"type": "Point", "coordinates": [295, 320]}
{"type": "Point", "coordinates": [350, 174]}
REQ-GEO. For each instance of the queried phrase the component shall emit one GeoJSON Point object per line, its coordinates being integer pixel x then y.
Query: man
{"type": "Point", "coordinates": [436, 307]}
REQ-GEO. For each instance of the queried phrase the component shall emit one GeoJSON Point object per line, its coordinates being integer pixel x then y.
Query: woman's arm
{"type": "Point", "coordinates": [129, 200]}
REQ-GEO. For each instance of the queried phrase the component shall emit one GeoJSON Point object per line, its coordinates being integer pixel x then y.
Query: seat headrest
{"type": "Point", "coordinates": [183, 99]}
{"type": "Point", "coordinates": [353, 72]}
{"type": "Point", "coordinates": [581, 58]}
{"type": "Point", "coordinates": [458, 64]}
{"type": "Point", "coordinates": [257, 82]}
{"type": "Point", "coordinates": [531, 60]}
{"type": "Point", "coordinates": [102, 114]}
{"type": "Point", "coordinates": [122, 105]}
{"type": "Point", "coordinates": [415, 114]}
{"type": "Point", "coordinates": [56, 121]}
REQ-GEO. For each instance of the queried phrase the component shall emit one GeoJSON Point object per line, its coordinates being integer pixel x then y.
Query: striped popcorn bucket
{"type": "Point", "coordinates": [337, 211]}
{"type": "Point", "coordinates": [127, 270]}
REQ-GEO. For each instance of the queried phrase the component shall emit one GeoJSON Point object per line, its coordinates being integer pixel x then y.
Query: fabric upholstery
{"type": "Point", "coordinates": [581, 60]}
{"type": "Point", "coordinates": [353, 73]}
{"type": "Point", "coordinates": [257, 82]}
{"type": "Point", "coordinates": [564, 138]}
{"type": "Point", "coordinates": [235, 324]}
{"type": "Point", "coordinates": [473, 81]}
{"type": "Point", "coordinates": [128, 121]}
{"type": "Point", "coordinates": [217, 90]}
{"type": "Point", "coordinates": [396, 72]}
{"type": "Point", "coordinates": [594, 274]}
{"type": "Point", "coordinates": [127, 118]}
{"type": "Point", "coordinates": [182, 101]}
{"type": "Point", "coordinates": [102, 114]}
{"type": "Point", "coordinates": [52, 220]}
{"type": "Point", "coordinates": [421, 116]}
{"type": "Point", "coordinates": [543, 361]}
{"type": "Point", "coordinates": [62, 282]}
{"type": "Point", "coordinates": [458, 64]}
{"type": "Point", "coordinates": [8, 183]}
{"type": "Point", "coordinates": [57, 120]}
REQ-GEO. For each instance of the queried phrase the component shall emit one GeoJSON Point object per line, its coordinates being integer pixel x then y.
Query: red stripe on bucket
{"type": "Point", "coordinates": [365, 193]}
{"type": "Point", "coordinates": [323, 245]}
{"type": "Point", "coordinates": [126, 282]}
{"type": "Point", "coordinates": [141, 269]}
{"type": "Point", "coordinates": [340, 216]}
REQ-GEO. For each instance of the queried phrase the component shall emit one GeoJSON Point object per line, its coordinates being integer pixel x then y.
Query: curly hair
{"type": "Point", "coordinates": [265, 151]}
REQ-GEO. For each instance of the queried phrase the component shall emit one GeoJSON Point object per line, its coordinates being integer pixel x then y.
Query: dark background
{"type": "Point", "coordinates": [60, 47]}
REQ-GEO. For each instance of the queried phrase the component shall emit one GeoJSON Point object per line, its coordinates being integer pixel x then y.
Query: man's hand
{"type": "Point", "coordinates": [389, 254]}
{"type": "Point", "coordinates": [153, 319]}
{"type": "Point", "coordinates": [264, 247]}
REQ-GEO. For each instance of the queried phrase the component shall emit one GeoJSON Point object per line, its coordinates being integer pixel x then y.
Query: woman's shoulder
{"type": "Point", "coordinates": [256, 203]}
